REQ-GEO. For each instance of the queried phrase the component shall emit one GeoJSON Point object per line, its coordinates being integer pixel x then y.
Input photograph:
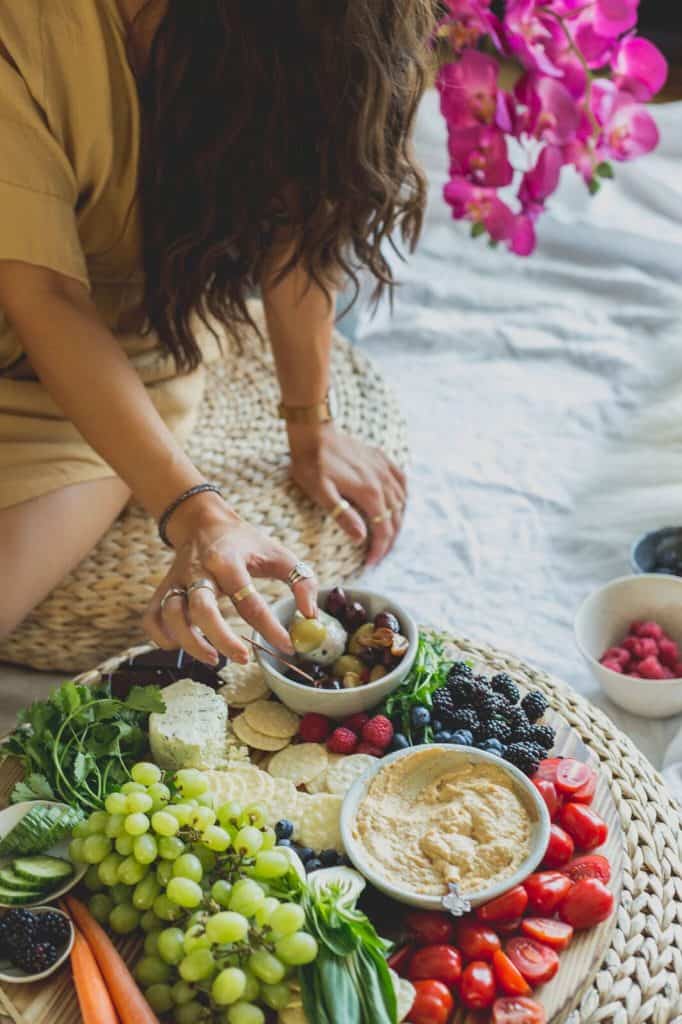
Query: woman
{"type": "Point", "coordinates": [159, 161]}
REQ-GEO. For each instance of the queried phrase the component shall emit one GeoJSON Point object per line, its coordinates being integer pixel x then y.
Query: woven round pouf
{"type": "Point", "coordinates": [239, 443]}
{"type": "Point", "coordinates": [639, 980]}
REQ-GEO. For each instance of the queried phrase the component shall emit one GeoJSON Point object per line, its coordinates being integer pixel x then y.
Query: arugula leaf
{"type": "Point", "coordinates": [145, 698]}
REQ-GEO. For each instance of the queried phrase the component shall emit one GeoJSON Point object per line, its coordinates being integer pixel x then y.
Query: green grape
{"type": "Point", "coordinates": [206, 857]}
{"type": "Point", "coordinates": [216, 838]}
{"type": "Point", "coordinates": [220, 891]}
{"type": "Point", "coordinates": [245, 1013]}
{"type": "Point", "coordinates": [139, 802]}
{"type": "Point", "coordinates": [130, 871]}
{"type": "Point", "coordinates": [188, 866]}
{"type": "Point", "coordinates": [286, 919]}
{"type": "Point", "coordinates": [165, 824]}
{"type": "Point", "coordinates": [201, 818]}
{"type": "Point", "coordinates": [226, 926]}
{"type": "Point", "coordinates": [151, 971]}
{"type": "Point", "coordinates": [264, 912]}
{"type": "Point", "coordinates": [269, 838]}
{"type": "Point", "coordinates": [253, 814]}
{"type": "Point", "coordinates": [164, 872]}
{"type": "Point", "coordinates": [116, 803]}
{"type": "Point", "coordinates": [124, 919]}
{"type": "Point", "coordinates": [124, 844]}
{"type": "Point", "coordinates": [114, 827]}
{"type": "Point", "coordinates": [270, 864]}
{"type": "Point", "coordinates": [276, 996]}
{"type": "Point", "coordinates": [182, 993]}
{"type": "Point", "coordinates": [100, 906]}
{"type": "Point", "coordinates": [190, 782]}
{"type": "Point", "coordinates": [197, 917]}
{"type": "Point", "coordinates": [197, 965]}
{"type": "Point", "coordinates": [120, 893]}
{"type": "Point", "coordinates": [170, 945]}
{"type": "Point", "coordinates": [296, 949]}
{"type": "Point", "coordinates": [166, 909]}
{"type": "Point", "coordinates": [190, 1013]}
{"type": "Point", "coordinates": [183, 812]}
{"type": "Point", "coordinates": [230, 813]}
{"type": "Point", "coordinates": [206, 800]}
{"type": "Point", "coordinates": [266, 967]}
{"type": "Point", "coordinates": [136, 824]}
{"type": "Point", "coordinates": [195, 938]}
{"type": "Point", "coordinates": [184, 892]}
{"type": "Point", "coordinates": [108, 869]}
{"type": "Point", "coordinates": [160, 794]}
{"type": "Point", "coordinates": [149, 922]}
{"type": "Point", "coordinates": [81, 830]}
{"type": "Point", "coordinates": [228, 986]}
{"type": "Point", "coordinates": [92, 881]}
{"type": "Point", "coordinates": [159, 997]}
{"type": "Point", "coordinates": [248, 840]}
{"type": "Point", "coordinates": [145, 849]}
{"type": "Point", "coordinates": [170, 847]}
{"type": "Point", "coordinates": [246, 897]}
{"type": "Point", "coordinates": [133, 787]}
{"type": "Point", "coordinates": [95, 848]}
{"type": "Point", "coordinates": [151, 942]}
{"type": "Point", "coordinates": [146, 773]}
{"type": "Point", "coordinates": [97, 822]}
{"type": "Point", "coordinates": [145, 892]}
{"type": "Point", "coordinates": [76, 850]}
{"type": "Point", "coordinates": [252, 990]}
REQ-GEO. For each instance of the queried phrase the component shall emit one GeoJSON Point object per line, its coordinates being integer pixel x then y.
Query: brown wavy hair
{"type": "Point", "coordinates": [264, 117]}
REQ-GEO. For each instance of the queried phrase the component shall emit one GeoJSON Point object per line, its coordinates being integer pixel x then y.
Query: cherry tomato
{"type": "Point", "coordinates": [400, 960]}
{"type": "Point", "coordinates": [476, 941]}
{"type": "Point", "coordinates": [444, 963]}
{"type": "Point", "coordinates": [507, 927]}
{"type": "Point", "coordinates": [556, 934]}
{"type": "Point", "coordinates": [432, 1003]}
{"type": "Point", "coordinates": [509, 978]}
{"type": "Point", "coordinates": [547, 791]}
{"type": "Point", "coordinates": [547, 768]}
{"type": "Point", "coordinates": [546, 889]}
{"type": "Point", "coordinates": [593, 865]}
{"type": "Point", "coordinates": [536, 962]}
{"type": "Point", "coordinates": [477, 986]}
{"type": "Point", "coordinates": [585, 794]}
{"type": "Point", "coordinates": [587, 903]}
{"type": "Point", "coordinates": [584, 825]}
{"type": "Point", "coordinates": [506, 907]}
{"type": "Point", "coordinates": [518, 1010]}
{"type": "Point", "coordinates": [571, 775]}
{"type": "Point", "coordinates": [559, 848]}
{"type": "Point", "coordinates": [430, 927]}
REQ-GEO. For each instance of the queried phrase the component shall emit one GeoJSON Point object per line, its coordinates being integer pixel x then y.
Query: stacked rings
{"type": "Point", "coordinates": [172, 592]}
{"type": "Point", "coordinates": [301, 571]}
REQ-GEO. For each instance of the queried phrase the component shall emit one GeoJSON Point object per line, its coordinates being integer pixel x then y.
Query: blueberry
{"type": "Point", "coordinates": [419, 716]}
{"type": "Point", "coordinates": [399, 742]}
{"type": "Point", "coordinates": [493, 746]}
{"type": "Point", "coordinates": [284, 829]}
{"type": "Point", "coordinates": [329, 858]}
{"type": "Point", "coordinates": [313, 864]}
{"type": "Point", "coordinates": [464, 737]}
{"type": "Point", "coordinates": [304, 852]}
{"type": "Point", "coordinates": [436, 725]}
{"type": "Point", "coordinates": [284, 842]}
{"type": "Point", "coordinates": [442, 737]}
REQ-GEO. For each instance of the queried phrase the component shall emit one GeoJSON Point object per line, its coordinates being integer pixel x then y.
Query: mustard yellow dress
{"type": "Point", "coordinates": [69, 143]}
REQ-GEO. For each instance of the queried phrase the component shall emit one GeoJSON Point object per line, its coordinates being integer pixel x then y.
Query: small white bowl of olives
{"type": "Point", "coordinates": [358, 650]}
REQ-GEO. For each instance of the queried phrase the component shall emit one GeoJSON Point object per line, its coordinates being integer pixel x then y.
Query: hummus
{"type": "Point", "coordinates": [429, 819]}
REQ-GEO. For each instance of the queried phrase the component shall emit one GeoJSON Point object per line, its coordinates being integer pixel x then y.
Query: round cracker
{"type": "Point", "coordinates": [342, 775]}
{"type": "Point", "coordinates": [243, 783]}
{"type": "Point", "coordinates": [243, 683]}
{"type": "Point", "coordinates": [272, 718]}
{"type": "Point", "coordinates": [319, 821]}
{"type": "Point", "coordinates": [300, 762]}
{"type": "Point", "coordinates": [256, 739]}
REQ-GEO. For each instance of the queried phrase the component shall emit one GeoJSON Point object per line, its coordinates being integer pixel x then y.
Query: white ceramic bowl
{"type": "Point", "coordinates": [603, 620]}
{"type": "Point", "coordinates": [9, 818]}
{"type": "Point", "coordinates": [339, 703]}
{"type": "Point", "coordinates": [455, 755]}
{"type": "Point", "coordinates": [15, 976]}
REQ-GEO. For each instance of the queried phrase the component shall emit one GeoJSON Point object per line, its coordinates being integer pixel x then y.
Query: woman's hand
{"type": "Point", "coordinates": [331, 466]}
{"type": "Point", "coordinates": [212, 543]}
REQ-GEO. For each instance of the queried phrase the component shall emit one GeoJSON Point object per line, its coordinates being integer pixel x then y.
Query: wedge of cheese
{"type": "Point", "coordinates": [192, 731]}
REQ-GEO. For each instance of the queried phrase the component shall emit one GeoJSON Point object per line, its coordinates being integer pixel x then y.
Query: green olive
{"type": "Point", "coordinates": [306, 634]}
{"type": "Point", "coordinates": [359, 640]}
{"type": "Point", "coordinates": [351, 680]}
{"type": "Point", "coordinates": [378, 672]}
{"type": "Point", "coordinates": [347, 663]}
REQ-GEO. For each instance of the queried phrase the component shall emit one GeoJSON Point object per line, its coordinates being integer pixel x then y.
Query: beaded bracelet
{"type": "Point", "coordinates": [163, 521]}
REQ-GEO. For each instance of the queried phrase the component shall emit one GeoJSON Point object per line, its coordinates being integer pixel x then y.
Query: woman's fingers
{"type": "Point", "coordinates": [203, 612]}
{"type": "Point", "coordinates": [234, 578]}
{"type": "Point", "coordinates": [277, 564]}
{"type": "Point", "coordinates": [174, 617]}
{"type": "Point", "coordinates": [349, 519]}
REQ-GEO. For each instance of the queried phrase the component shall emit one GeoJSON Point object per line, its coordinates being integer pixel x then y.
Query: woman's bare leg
{"type": "Point", "coordinates": [43, 539]}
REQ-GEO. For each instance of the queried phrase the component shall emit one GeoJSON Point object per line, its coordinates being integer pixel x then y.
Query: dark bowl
{"type": "Point", "coordinates": [658, 551]}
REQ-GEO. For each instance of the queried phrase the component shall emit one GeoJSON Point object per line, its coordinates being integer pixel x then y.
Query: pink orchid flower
{"type": "Point", "coordinates": [629, 130]}
{"type": "Point", "coordinates": [552, 112]}
{"type": "Point", "coordinates": [466, 21]}
{"type": "Point", "coordinates": [522, 239]}
{"type": "Point", "coordinates": [468, 89]}
{"type": "Point", "coordinates": [640, 68]}
{"type": "Point", "coordinates": [613, 17]}
{"type": "Point", "coordinates": [533, 37]}
{"type": "Point", "coordinates": [596, 49]}
{"type": "Point", "coordinates": [479, 153]}
{"type": "Point", "coordinates": [541, 181]}
{"type": "Point", "coordinates": [480, 206]}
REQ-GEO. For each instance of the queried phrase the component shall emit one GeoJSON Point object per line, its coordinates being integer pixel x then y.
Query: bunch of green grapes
{"type": "Point", "coordinates": [201, 883]}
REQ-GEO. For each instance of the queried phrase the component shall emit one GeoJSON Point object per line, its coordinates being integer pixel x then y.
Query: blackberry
{"type": "Point", "coordinates": [523, 756]}
{"type": "Point", "coordinates": [460, 670]}
{"type": "Point", "coordinates": [443, 705]}
{"type": "Point", "coordinates": [461, 690]}
{"type": "Point", "coordinates": [36, 957]}
{"type": "Point", "coordinates": [18, 928]}
{"type": "Point", "coordinates": [466, 718]}
{"type": "Point", "coordinates": [54, 928]}
{"type": "Point", "coordinates": [492, 704]}
{"type": "Point", "coordinates": [534, 704]}
{"type": "Point", "coordinates": [497, 729]}
{"type": "Point", "coordinates": [516, 717]}
{"type": "Point", "coordinates": [522, 733]}
{"type": "Point", "coordinates": [505, 685]}
{"type": "Point", "coordinates": [544, 735]}
{"type": "Point", "coordinates": [540, 752]}
{"type": "Point", "coordinates": [481, 691]}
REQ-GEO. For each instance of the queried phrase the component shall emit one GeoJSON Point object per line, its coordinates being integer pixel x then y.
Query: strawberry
{"type": "Point", "coordinates": [378, 732]}
{"type": "Point", "coordinates": [367, 748]}
{"type": "Point", "coordinates": [342, 741]}
{"type": "Point", "coordinates": [314, 728]}
{"type": "Point", "coordinates": [356, 722]}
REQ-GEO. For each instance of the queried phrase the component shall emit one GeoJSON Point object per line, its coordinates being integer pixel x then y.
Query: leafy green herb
{"type": "Point", "coordinates": [429, 672]}
{"type": "Point", "coordinates": [78, 745]}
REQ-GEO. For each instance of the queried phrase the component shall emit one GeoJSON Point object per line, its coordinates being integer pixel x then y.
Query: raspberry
{"type": "Point", "coordinates": [615, 666]}
{"type": "Point", "coordinates": [668, 652]}
{"type": "Point", "coordinates": [650, 629]}
{"type": "Point", "coordinates": [677, 670]}
{"type": "Point", "coordinates": [378, 732]}
{"type": "Point", "coordinates": [367, 748]}
{"type": "Point", "coordinates": [650, 668]}
{"type": "Point", "coordinates": [356, 722]}
{"type": "Point", "coordinates": [342, 741]}
{"type": "Point", "coordinates": [668, 673]}
{"type": "Point", "coordinates": [314, 728]}
{"type": "Point", "coordinates": [640, 646]}
{"type": "Point", "coordinates": [619, 654]}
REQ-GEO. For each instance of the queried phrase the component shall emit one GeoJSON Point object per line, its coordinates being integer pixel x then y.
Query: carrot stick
{"type": "Point", "coordinates": [93, 997]}
{"type": "Point", "coordinates": [130, 1004]}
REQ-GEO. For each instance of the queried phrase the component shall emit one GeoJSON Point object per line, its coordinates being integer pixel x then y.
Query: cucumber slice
{"type": "Point", "coordinates": [40, 828]}
{"type": "Point", "coordinates": [14, 898]}
{"type": "Point", "coordinates": [43, 869]}
{"type": "Point", "coordinates": [9, 879]}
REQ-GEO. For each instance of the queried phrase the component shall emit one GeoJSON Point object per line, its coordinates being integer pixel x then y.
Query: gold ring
{"type": "Point", "coordinates": [203, 584]}
{"type": "Point", "coordinates": [375, 520]}
{"type": "Point", "coordinates": [340, 508]}
{"type": "Point", "coordinates": [246, 591]}
{"type": "Point", "coordinates": [172, 592]}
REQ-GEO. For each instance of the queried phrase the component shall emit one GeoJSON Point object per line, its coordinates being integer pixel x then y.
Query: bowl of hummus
{"type": "Point", "coordinates": [430, 817]}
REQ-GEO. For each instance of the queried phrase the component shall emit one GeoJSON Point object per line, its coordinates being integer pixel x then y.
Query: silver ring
{"type": "Point", "coordinates": [172, 592]}
{"type": "Point", "coordinates": [301, 571]}
{"type": "Point", "coordinates": [203, 584]}
{"type": "Point", "coordinates": [341, 507]}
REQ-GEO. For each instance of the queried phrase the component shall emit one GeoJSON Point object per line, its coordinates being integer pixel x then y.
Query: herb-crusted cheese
{"type": "Point", "coordinates": [191, 733]}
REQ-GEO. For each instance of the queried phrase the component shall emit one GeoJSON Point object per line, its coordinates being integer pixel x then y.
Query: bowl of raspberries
{"type": "Point", "coordinates": [33, 943]}
{"type": "Point", "coordinates": [630, 634]}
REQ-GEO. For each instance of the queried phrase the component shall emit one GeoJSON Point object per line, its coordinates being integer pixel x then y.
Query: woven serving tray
{"type": "Point", "coordinates": [626, 971]}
